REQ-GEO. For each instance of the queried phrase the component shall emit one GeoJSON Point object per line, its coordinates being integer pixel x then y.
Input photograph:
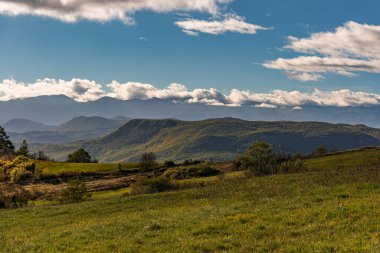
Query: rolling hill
{"type": "Point", "coordinates": [217, 139]}
{"type": "Point", "coordinates": [79, 128]}
{"type": "Point", "coordinates": [25, 125]}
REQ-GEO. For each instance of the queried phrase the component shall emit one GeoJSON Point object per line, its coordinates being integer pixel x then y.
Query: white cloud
{"type": "Point", "coordinates": [83, 90]}
{"type": "Point", "coordinates": [78, 89]}
{"type": "Point", "coordinates": [229, 23]}
{"type": "Point", "coordinates": [103, 11]}
{"type": "Point", "coordinates": [264, 105]}
{"type": "Point", "coordinates": [350, 48]}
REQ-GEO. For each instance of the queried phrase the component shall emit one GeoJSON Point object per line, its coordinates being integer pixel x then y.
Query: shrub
{"type": "Point", "coordinates": [2, 174]}
{"type": "Point", "coordinates": [192, 162]}
{"type": "Point", "coordinates": [18, 169]}
{"type": "Point", "coordinates": [19, 173]}
{"type": "Point", "coordinates": [169, 164]}
{"type": "Point", "coordinates": [13, 196]}
{"type": "Point", "coordinates": [153, 185]}
{"type": "Point", "coordinates": [75, 192]}
{"type": "Point", "coordinates": [292, 165]}
{"type": "Point", "coordinates": [202, 170]}
{"type": "Point", "coordinates": [259, 159]}
{"type": "Point", "coordinates": [320, 150]}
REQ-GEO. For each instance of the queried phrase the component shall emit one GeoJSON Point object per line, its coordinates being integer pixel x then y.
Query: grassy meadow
{"type": "Point", "coordinates": [329, 208]}
{"type": "Point", "coordinates": [55, 168]}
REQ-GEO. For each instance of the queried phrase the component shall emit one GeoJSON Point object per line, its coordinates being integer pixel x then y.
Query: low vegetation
{"type": "Point", "coordinates": [261, 160]}
{"type": "Point", "coordinates": [13, 196]}
{"type": "Point", "coordinates": [185, 172]}
{"type": "Point", "coordinates": [17, 169]}
{"type": "Point", "coordinates": [153, 185]}
{"type": "Point", "coordinates": [75, 192]}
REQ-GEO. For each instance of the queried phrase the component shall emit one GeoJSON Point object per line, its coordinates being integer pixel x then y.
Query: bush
{"type": "Point", "coordinates": [19, 173]}
{"type": "Point", "coordinates": [292, 165]}
{"type": "Point", "coordinates": [75, 192]}
{"type": "Point", "coordinates": [202, 170]}
{"type": "Point", "coordinates": [153, 185]}
{"type": "Point", "coordinates": [2, 174]}
{"type": "Point", "coordinates": [169, 164]}
{"type": "Point", "coordinates": [13, 196]}
{"type": "Point", "coordinates": [258, 159]}
{"type": "Point", "coordinates": [320, 150]}
{"type": "Point", "coordinates": [192, 162]}
{"type": "Point", "coordinates": [19, 169]}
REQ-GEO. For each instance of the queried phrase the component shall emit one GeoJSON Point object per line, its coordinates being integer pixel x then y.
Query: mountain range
{"type": "Point", "coordinates": [216, 139]}
{"type": "Point", "coordinates": [25, 125]}
{"type": "Point", "coordinates": [55, 110]}
{"type": "Point", "coordinates": [79, 128]}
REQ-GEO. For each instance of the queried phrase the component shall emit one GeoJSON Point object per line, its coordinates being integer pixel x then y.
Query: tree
{"type": "Point", "coordinates": [6, 146]}
{"type": "Point", "coordinates": [79, 156]}
{"type": "Point", "coordinates": [320, 150]}
{"type": "Point", "coordinates": [259, 159]}
{"type": "Point", "coordinates": [41, 156]}
{"type": "Point", "coordinates": [169, 164]}
{"type": "Point", "coordinates": [75, 192]}
{"type": "Point", "coordinates": [24, 149]}
{"type": "Point", "coordinates": [148, 161]}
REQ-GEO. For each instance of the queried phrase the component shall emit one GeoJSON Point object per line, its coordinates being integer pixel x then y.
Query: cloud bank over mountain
{"type": "Point", "coordinates": [347, 50]}
{"type": "Point", "coordinates": [83, 90]}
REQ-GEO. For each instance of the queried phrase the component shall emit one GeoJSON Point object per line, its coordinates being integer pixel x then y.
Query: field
{"type": "Point", "coordinates": [58, 167]}
{"type": "Point", "coordinates": [332, 207]}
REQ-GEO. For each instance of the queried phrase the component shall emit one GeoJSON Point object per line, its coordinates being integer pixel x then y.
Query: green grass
{"type": "Point", "coordinates": [58, 167]}
{"type": "Point", "coordinates": [326, 210]}
{"type": "Point", "coordinates": [355, 158]}
{"type": "Point", "coordinates": [111, 193]}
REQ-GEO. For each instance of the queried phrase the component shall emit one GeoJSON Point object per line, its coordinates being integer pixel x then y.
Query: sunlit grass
{"type": "Point", "coordinates": [331, 209]}
{"type": "Point", "coordinates": [59, 167]}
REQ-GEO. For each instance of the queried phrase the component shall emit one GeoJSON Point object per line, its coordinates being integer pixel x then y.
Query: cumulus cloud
{"type": "Point", "coordinates": [229, 23]}
{"type": "Point", "coordinates": [83, 90]}
{"type": "Point", "coordinates": [79, 89]}
{"type": "Point", "coordinates": [103, 11]}
{"type": "Point", "coordinates": [350, 48]}
{"type": "Point", "coordinates": [264, 105]}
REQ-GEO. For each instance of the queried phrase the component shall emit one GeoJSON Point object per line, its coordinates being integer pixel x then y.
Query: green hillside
{"type": "Point", "coordinates": [329, 209]}
{"type": "Point", "coordinates": [222, 139]}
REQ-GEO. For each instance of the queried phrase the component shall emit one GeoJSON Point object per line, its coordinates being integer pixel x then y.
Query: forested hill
{"type": "Point", "coordinates": [219, 139]}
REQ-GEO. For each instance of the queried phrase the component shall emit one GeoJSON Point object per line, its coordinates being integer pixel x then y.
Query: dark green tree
{"type": "Point", "coordinates": [24, 149]}
{"type": "Point", "coordinates": [41, 156]}
{"type": "Point", "coordinates": [148, 161]}
{"type": "Point", "coordinates": [6, 146]}
{"type": "Point", "coordinates": [75, 192]}
{"type": "Point", "coordinates": [259, 159]}
{"type": "Point", "coordinates": [79, 156]}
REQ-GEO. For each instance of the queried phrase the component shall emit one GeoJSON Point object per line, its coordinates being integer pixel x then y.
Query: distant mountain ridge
{"type": "Point", "coordinates": [217, 139]}
{"type": "Point", "coordinates": [25, 125]}
{"type": "Point", "coordinates": [79, 128]}
{"type": "Point", "coordinates": [55, 110]}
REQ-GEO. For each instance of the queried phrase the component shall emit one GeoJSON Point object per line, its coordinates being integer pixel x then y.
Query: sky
{"type": "Point", "coordinates": [220, 52]}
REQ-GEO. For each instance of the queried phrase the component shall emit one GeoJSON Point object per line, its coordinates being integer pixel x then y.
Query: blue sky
{"type": "Point", "coordinates": [157, 52]}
